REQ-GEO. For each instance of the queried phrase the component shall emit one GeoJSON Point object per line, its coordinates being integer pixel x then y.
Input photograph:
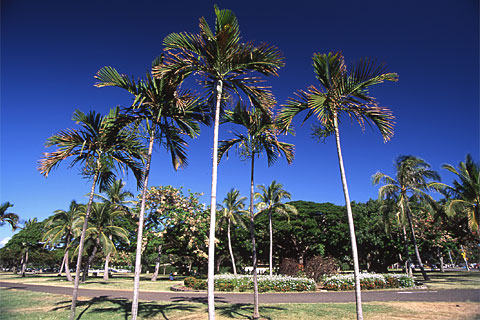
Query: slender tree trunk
{"type": "Point", "coordinates": [408, 267]}
{"type": "Point", "coordinates": [80, 248]}
{"type": "Point", "coordinates": [213, 206]}
{"type": "Point", "coordinates": [256, 313]}
{"type": "Point", "coordinates": [451, 260]}
{"type": "Point", "coordinates": [463, 255]}
{"type": "Point", "coordinates": [59, 274]}
{"type": "Point", "coordinates": [138, 254]}
{"type": "Point", "coordinates": [90, 259]}
{"type": "Point", "coordinates": [440, 258]}
{"type": "Point", "coordinates": [356, 268]}
{"type": "Point", "coordinates": [230, 248]}
{"type": "Point", "coordinates": [157, 263]}
{"type": "Point", "coordinates": [65, 260]}
{"type": "Point", "coordinates": [270, 227]}
{"type": "Point", "coordinates": [107, 261]}
{"type": "Point", "coordinates": [24, 262]}
{"type": "Point", "coordinates": [414, 240]}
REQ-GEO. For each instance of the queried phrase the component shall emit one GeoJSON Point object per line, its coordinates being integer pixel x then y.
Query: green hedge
{"type": "Point", "coordinates": [244, 283]}
{"type": "Point", "coordinates": [368, 281]}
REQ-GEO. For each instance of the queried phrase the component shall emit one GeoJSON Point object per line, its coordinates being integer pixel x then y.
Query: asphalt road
{"type": "Point", "coordinates": [459, 295]}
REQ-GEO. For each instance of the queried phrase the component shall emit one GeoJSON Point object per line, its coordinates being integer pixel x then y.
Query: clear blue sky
{"type": "Point", "coordinates": [50, 51]}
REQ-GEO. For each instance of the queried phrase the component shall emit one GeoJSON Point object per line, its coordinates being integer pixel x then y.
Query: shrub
{"type": "Point", "coordinates": [318, 267]}
{"type": "Point", "coordinates": [368, 281]}
{"type": "Point", "coordinates": [265, 283]}
{"type": "Point", "coordinates": [289, 267]}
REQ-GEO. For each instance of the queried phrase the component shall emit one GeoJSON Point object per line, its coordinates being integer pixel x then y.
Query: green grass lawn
{"type": "Point", "coordinates": [451, 280]}
{"type": "Point", "coordinates": [27, 305]}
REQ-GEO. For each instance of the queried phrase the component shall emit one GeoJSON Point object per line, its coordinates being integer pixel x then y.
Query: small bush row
{"type": "Point", "coordinates": [244, 283]}
{"type": "Point", "coordinates": [368, 281]}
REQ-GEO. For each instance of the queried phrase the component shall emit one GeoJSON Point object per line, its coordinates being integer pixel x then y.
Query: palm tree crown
{"type": "Point", "coordinates": [8, 217]}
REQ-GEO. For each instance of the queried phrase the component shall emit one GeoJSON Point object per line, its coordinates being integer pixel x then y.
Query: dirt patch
{"type": "Point", "coordinates": [431, 310]}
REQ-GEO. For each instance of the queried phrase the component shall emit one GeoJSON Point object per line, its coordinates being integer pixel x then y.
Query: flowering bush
{"type": "Point", "coordinates": [228, 282]}
{"type": "Point", "coordinates": [368, 281]}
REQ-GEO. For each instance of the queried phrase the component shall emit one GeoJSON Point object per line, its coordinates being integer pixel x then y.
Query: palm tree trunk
{"type": "Point", "coordinates": [256, 314]}
{"type": "Point", "coordinates": [59, 273]}
{"type": "Point", "coordinates": [270, 225]}
{"type": "Point", "coordinates": [80, 248]}
{"type": "Point", "coordinates": [107, 260]}
{"type": "Point", "coordinates": [230, 249]}
{"type": "Point", "coordinates": [25, 261]}
{"type": "Point", "coordinates": [138, 254]}
{"type": "Point", "coordinates": [408, 268]}
{"type": "Point", "coordinates": [66, 258]}
{"type": "Point", "coordinates": [414, 240]}
{"type": "Point", "coordinates": [356, 269]}
{"type": "Point", "coordinates": [213, 207]}
{"type": "Point", "coordinates": [157, 263]}
{"type": "Point", "coordinates": [90, 259]}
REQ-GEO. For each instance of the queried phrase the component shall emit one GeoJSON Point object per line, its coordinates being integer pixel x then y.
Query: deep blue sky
{"type": "Point", "coordinates": [50, 51]}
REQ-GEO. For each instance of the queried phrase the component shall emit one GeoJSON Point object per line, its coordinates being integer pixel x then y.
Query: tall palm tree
{"type": "Point", "coordinates": [8, 217]}
{"type": "Point", "coordinates": [466, 191]}
{"type": "Point", "coordinates": [26, 245]}
{"type": "Point", "coordinates": [101, 145]}
{"type": "Point", "coordinates": [411, 180]}
{"type": "Point", "coordinates": [271, 201]}
{"type": "Point", "coordinates": [231, 213]}
{"type": "Point", "coordinates": [101, 229]}
{"type": "Point", "coordinates": [60, 228]}
{"type": "Point", "coordinates": [225, 65]}
{"type": "Point", "coordinates": [261, 137]}
{"type": "Point", "coordinates": [343, 92]}
{"type": "Point", "coordinates": [167, 114]}
{"type": "Point", "coordinates": [117, 198]}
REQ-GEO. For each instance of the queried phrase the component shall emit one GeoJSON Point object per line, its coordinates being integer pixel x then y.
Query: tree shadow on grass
{"type": "Point", "coordinates": [244, 311]}
{"type": "Point", "coordinates": [124, 306]}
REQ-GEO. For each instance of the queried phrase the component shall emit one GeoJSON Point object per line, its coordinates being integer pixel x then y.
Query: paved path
{"type": "Point", "coordinates": [471, 295]}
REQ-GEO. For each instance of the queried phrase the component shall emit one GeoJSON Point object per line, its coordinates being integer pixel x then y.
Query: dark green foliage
{"type": "Point", "coordinates": [319, 266]}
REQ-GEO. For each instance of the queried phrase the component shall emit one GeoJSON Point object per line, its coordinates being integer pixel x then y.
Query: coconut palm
{"type": "Point", "coordinates": [261, 137]}
{"type": "Point", "coordinates": [117, 197]}
{"type": "Point", "coordinates": [8, 217]}
{"type": "Point", "coordinates": [231, 213]}
{"type": "Point", "coordinates": [466, 191]}
{"type": "Point", "coordinates": [225, 65]}
{"type": "Point", "coordinates": [342, 92]}
{"type": "Point", "coordinates": [60, 228]}
{"type": "Point", "coordinates": [100, 146]}
{"type": "Point", "coordinates": [271, 202]}
{"type": "Point", "coordinates": [410, 182]}
{"type": "Point", "coordinates": [100, 230]}
{"type": "Point", "coordinates": [26, 245]}
{"type": "Point", "coordinates": [167, 114]}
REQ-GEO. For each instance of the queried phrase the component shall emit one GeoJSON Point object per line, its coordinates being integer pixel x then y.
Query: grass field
{"type": "Point", "coordinates": [26, 305]}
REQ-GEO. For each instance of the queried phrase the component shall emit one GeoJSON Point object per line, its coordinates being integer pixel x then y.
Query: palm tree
{"type": "Point", "coordinates": [343, 92]}
{"type": "Point", "coordinates": [102, 143]}
{"type": "Point", "coordinates": [261, 137]}
{"type": "Point", "coordinates": [116, 197]}
{"type": "Point", "coordinates": [231, 213]}
{"type": "Point", "coordinates": [8, 217]}
{"type": "Point", "coordinates": [411, 182]}
{"type": "Point", "coordinates": [101, 228]}
{"type": "Point", "coordinates": [271, 201]}
{"type": "Point", "coordinates": [26, 245]}
{"type": "Point", "coordinates": [466, 191]}
{"type": "Point", "coordinates": [167, 114]}
{"type": "Point", "coordinates": [60, 228]}
{"type": "Point", "coordinates": [225, 65]}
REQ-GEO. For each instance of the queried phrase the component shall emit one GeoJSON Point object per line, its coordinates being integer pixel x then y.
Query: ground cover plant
{"type": "Point", "coordinates": [368, 281]}
{"type": "Point", "coordinates": [242, 283]}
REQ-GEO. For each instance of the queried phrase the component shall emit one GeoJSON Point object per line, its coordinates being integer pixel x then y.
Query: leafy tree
{"type": "Point", "coordinates": [60, 228]}
{"type": "Point", "coordinates": [26, 245]}
{"type": "Point", "coordinates": [98, 146]}
{"type": "Point", "coordinates": [8, 217]}
{"type": "Point", "coordinates": [261, 137]}
{"type": "Point", "coordinates": [225, 65]}
{"type": "Point", "coordinates": [167, 115]}
{"type": "Point", "coordinates": [271, 201]}
{"type": "Point", "coordinates": [466, 191]}
{"type": "Point", "coordinates": [343, 92]}
{"type": "Point", "coordinates": [231, 213]}
{"type": "Point", "coordinates": [411, 180]}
